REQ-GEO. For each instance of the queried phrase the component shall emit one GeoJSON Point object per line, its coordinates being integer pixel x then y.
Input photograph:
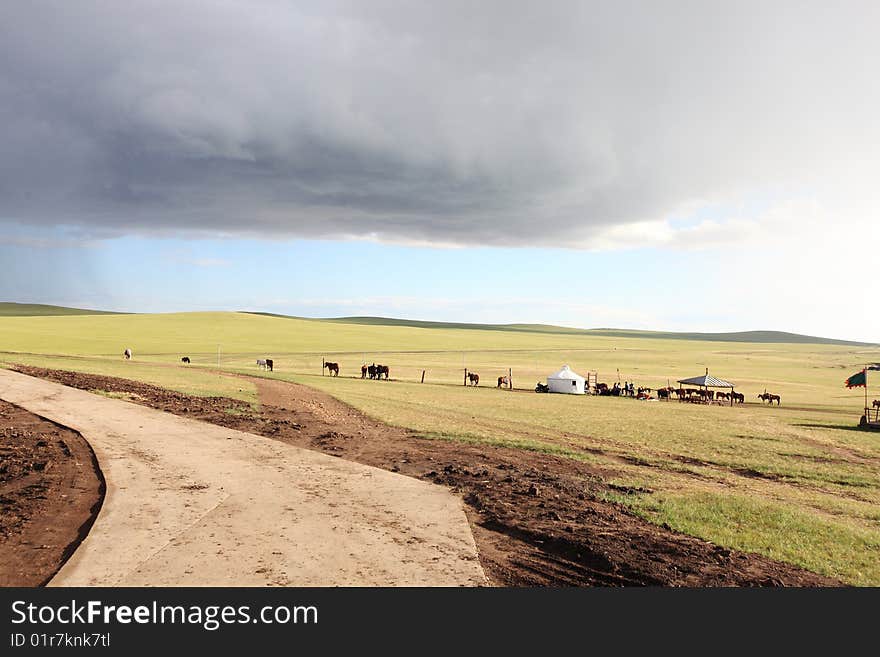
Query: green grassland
{"type": "Point", "coordinates": [795, 482]}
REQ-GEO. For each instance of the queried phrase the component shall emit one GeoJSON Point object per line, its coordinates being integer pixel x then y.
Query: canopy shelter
{"type": "Point", "coordinates": [707, 381]}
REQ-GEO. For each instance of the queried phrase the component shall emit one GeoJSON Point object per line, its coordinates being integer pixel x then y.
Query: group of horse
{"type": "Point", "coordinates": [669, 392]}
{"type": "Point", "coordinates": [266, 364]}
{"type": "Point", "coordinates": [375, 371]}
{"type": "Point", "coordinates": [700, 395]}
{"type": "Point", "coordinates": [474, 379]}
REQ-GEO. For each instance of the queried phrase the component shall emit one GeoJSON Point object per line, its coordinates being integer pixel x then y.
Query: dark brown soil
{"type": "Point", "coordinates": [538, 520]}
{"type": "Point", "coordinates": [50, 493]}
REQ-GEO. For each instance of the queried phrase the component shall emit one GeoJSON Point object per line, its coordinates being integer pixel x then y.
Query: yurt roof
{"type": "Point", "coordinates": [565, 373]}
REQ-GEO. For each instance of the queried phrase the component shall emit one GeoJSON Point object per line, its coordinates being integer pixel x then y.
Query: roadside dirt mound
{"type": "Point", "coordinates": [538, 520]}
{"type": "Point", "coordinates": [50, 493]}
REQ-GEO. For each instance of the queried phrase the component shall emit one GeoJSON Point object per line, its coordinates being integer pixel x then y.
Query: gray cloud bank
{"type": "Point", "coordinates": [500, 123]}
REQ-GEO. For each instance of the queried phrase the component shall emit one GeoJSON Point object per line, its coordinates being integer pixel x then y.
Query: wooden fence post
{"type": "Point", "coordinates": [509, 379]}
{"type": "Point", "coordinates": [322, 366]}
{"type": "Point", "coordinates": [423, 376]}
{"type": "Point", "coordinates": [465, 376]}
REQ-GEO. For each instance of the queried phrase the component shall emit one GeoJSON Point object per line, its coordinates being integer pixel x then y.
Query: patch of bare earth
{"type": "Point", "coordinates": [538, 519]}
{"type": "Point", "coordinates": [50, 493]}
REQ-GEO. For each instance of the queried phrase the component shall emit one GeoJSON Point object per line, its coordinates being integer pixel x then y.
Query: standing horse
{"type": "Point", "coordinates": [127, 354]}
{"type": "Point", "coordinates": [875, 403]}
{"type": "Point", "coordinates": [364, 369]}
{"type": "Point", "coordinates": [332, 368]}
{"type": "Point", "coordinates": [382, 370]}
{"type": "Point", "coordinates": [767, 397]}
{"type": "Point", "coordinates": [185, 359]}
{"type": "Point", "coordinates": [503, 381]}
{"type": "Point", "coordinates": [474, 378]}
{"type": "Point", "coordinates": [738, 397]}
{"type": "Point", "coordinates": [270, 364]}
{"type": "Point", "coordinates": [261, 363]}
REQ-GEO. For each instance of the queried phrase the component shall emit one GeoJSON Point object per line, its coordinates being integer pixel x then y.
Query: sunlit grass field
{"type": "Point", "coordinates": [796, 482]}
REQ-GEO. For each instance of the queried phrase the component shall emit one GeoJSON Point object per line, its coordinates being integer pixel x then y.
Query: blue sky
{"type": "Point", "coordinates": [661, 288]}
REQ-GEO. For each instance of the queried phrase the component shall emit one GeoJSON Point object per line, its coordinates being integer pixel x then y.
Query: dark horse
{"type": "Point", "coordinates": [875, 403]}
{"type": "Point", "coordinates": [382, 370]}
{"type": "Point", "coordinates": [364, 370]}
{"type": "Point", "coordinates": [738, 397]}
{"type": "Point", "coordinates": [503, 381]}
{"type": "Point", "coordinates": [767, 397]}
{"type": "Point", "coordinates": [474, 378]}
{"type": "Point", "coordinates": [332, 368]}
{"type": "Point", "coordinates": [185, 359]}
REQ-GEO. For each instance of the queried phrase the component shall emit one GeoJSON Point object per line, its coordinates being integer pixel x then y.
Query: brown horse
{"type": "Point", "coordinates": [474, 378]}
{"type": "Point", "coordinates": [767, 397]}
{"type": "Point", "coordinates": [332, 368]}
{"type": "Point", "coordinates": [738, 397]}
{"type": "Point", "coordinates": [382, 370]}
{"type": "Point", "coordinates": [875, 403]}
{"type": "Point", "coordinates": [502, 381]}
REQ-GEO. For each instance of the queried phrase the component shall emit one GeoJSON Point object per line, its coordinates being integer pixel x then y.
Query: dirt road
{"type": "Point", "coordinates": [194, 504]}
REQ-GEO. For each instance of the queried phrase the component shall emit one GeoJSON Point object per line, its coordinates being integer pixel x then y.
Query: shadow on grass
{"type": "Point", "coordinates": [840, 427]}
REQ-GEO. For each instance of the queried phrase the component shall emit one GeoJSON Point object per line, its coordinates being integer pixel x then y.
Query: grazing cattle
{"type": "Point", "coordinates": [185, 359]}
{"type": "Point", "coordinates": [332, 368]}
{"type": "Point", "coordinates": [382, 370]}
{"type": "Point", "coordinates": [270, 364]}
{"type": "Point", "coordinates": [474, 378]}
{"type": "Point", "coordinates": [738, 397]}
{"type": "Point", "coordinates": [261, 363]}
{"type": "Point", "coordinates": [503, 381]}
{"type": "Point", "coordinates": [127, 354]}
{"type": "Point", "coordinates": [364, 369]}
{"type": "Point", "coordinates": [767, 397]}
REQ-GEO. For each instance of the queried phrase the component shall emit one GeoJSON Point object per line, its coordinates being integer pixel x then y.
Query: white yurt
{"type": "Point", "coordinates": [566, 381]}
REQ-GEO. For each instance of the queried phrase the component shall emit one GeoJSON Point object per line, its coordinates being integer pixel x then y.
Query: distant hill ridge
{"type": "Point", "coordinates": [12, 309]}
{"type": "Point", "coordinates": [767, 337]}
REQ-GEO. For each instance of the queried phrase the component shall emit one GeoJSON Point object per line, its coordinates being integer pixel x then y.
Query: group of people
{"type": "Point", "coordinates": [627, 390]}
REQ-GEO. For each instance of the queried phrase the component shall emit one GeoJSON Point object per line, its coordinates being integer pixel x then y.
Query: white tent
{"type": "Point", "coordinates": [566, 381]}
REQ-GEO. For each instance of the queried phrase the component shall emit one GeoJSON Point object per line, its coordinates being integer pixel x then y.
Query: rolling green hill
{"type": "Point", "coordinates": [12, 309]}
{"type": "Point", "coordinates": [758, 337]}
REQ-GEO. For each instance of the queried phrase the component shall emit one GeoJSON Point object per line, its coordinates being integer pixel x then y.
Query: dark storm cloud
{"type": "Point", "coordinates": [493, 123]}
